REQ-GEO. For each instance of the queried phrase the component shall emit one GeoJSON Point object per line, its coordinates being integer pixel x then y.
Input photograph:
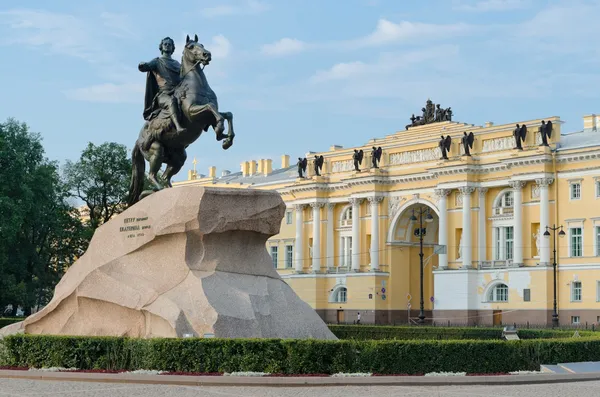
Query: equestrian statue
{"type": "Point", "coordinates": [179, 105]}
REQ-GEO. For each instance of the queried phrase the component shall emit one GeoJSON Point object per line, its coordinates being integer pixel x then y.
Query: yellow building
{"type": "Point", "coordinates": [349, 243]}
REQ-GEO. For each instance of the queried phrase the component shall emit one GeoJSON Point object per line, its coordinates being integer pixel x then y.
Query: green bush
{"type": "Point", "coordinates": [4, 321]}
{"type": "Point", "coordinates": [367, 332]}
{"type": "Point", "coordinates": [289, 356]}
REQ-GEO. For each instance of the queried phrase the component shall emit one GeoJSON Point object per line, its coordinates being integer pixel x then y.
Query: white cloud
{"type": "Point", "coordinates": [243, 8]}
{"type": "Point", "coordinates": [285, 46]}
{"type": "Point", "coordinates": [220, 47]}
{"type": "Point", "coordinates": [118, 25]}
{"type": "Point", "coordinates": [492, 5]}
{"type": "Point", "coordinates": [108, 93]}
{"type": "Point", "coordinates": [387, 32]}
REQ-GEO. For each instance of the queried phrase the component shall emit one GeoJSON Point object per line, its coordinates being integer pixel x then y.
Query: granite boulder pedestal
{"type": "Point", "coordinates": [185, 261]}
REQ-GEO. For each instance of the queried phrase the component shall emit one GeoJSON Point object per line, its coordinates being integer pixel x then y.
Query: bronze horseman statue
{"type": "Point", "coordinates": [318, 164]}
{"type": "Point", "coordinates": [467, 141]}
{"type": "Point", "coordinates": [546, 132]}
{"type": "Point", "coordinates": [179, 105]}
{"type": "Point", "coordinates": [376, 156]}
{"type": "Point", "coordinates": [358, 158]}
{"type": "Point", "coordinates": [302, 162]}
{"type": "Point", "coordinates": [520, 133]}
{"type": "Point", "coordinates": [444, 145]}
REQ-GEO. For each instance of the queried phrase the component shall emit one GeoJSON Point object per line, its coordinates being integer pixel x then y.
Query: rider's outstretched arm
{"type": "Point", "coordinates": [147, 66]}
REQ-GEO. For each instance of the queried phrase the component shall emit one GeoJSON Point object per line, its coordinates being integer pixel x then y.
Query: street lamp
{"type": "Point", "coordinates": [421, 233]}
{"type": "Point", "coordinates": [561, 234]}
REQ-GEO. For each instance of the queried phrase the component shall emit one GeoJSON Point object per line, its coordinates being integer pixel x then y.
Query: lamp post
{"type": "Point", "coordinates": [421, 233]}
{"type": "Point", "coordinates": [561, 234]}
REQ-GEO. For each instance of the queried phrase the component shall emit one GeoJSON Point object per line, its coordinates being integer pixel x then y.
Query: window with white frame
{"type": "Point", "coordinates": [288, 217]}
{"type": "Point", "coordinates": [576, 241]}
{"type": "Point", "coordinates": [347, 217]}
{"type": "Point", "coordinates": [289, 255]}
{"type": "Point", "coordinates": [575, 320]}
{"type": "Point", "coordinates": [345, 251]}
{"type": "Point", "coordinates": [597, 189]}
{"type": "Point", "coordinates": [503, 243]}
{"type": "Point", "coordinates": [274, 256]}
{"type": "Point", "coordinates": [575, 190]}
{"type": "Point", "coordinates": [597, 229]}
{"type": "Point", "coordinates": [576, 291]}
{"type": "Point", "coordinates": [597, 291]}
{"type": "Point", "coordinates": [341, 295]}
{"type": "Point", "coordinates": [505, 204]}
{"type": "Point", "coordinates": [499, 293]}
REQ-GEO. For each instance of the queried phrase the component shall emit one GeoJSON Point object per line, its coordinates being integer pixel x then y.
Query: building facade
{"type": "Point", "coordinates": [350, 241]}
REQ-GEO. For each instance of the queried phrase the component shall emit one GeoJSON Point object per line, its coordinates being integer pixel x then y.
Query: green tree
{"type": "Point", "coordinates": [40, 233]}
{"type": "Point", "coordinates": [101, 180]}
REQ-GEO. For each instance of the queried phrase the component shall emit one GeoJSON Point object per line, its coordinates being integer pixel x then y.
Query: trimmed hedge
{"type": "Point", "coordinates": [367, 332]}
{"type": "Point", "coordinates": [4, 321]}
{"type": "Point", "coordinates": [289, 356]}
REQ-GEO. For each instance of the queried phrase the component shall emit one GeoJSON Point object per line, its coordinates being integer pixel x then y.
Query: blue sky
{"type": "Point", "coordinates": [299, 76]}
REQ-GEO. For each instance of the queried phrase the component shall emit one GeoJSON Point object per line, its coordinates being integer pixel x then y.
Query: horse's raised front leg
{"type": "Point", "coordinates": [196, 111]}
{"type": "Point", "coordinates": [230, 134]}
{"type": "Point", "coordinates": [155, 158]}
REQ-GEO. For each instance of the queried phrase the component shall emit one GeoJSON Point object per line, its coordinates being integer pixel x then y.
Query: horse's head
{"type": "Point", "coordinates": [195, 52]}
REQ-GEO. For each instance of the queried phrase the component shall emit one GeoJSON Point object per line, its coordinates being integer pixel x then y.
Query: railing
{"type": "Point", "coordinates": [496, 264]}
{"type": "Point", "coordinates": [345, 222]}
{"type": "Point", "coordinates": [503, 210]}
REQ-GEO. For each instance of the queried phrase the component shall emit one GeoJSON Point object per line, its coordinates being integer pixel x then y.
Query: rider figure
{"type": "Point", "coordinates": [163, 77]}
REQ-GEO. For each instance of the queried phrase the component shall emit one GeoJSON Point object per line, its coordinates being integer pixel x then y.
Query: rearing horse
{"type": "Point", "coordinates": [200, 110]}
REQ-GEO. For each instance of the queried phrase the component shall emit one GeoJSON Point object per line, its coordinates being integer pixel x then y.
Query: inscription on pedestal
{"type": "Point", "coordinates": [134, 227]}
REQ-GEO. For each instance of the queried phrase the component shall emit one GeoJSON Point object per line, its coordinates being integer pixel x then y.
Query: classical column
{"type": "Point", "coordinates": [374, 201]}
{"type": "Point", "coordinates": [442, 195]}
{"type": "Point", "coordinates": [467, 246]}
{"type": "Point", "coordinates": [299, 237]}
{"type": "Point", "coordinates": [482, 240]}
{"type": "Point", "coordinates": [316, 251]}
{"type": "Point", "coordinates": [517, 187]}
{"type": "Point", "coordinates": [543, 183]}
{"type": "Point", "coordinates": [330, 243]}
{"type": "Point", "coordinates": [355, 232]}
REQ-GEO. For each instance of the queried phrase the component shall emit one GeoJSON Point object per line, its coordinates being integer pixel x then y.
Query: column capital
{"type": "Point", "coordinates": [466, 190]}
{"type": "Point", "coordinates": [330, 206]}
{"type": "Point", "coordinates": [317, 205]}
{"type": "Point", "coordinates": [482, 190]}
{"type": "Point", "coordinates": [441, 193]}
{"type": "Point", "coordinates": [299, 207]}
{"type": "Point", "coordinates": [375, 200]}
{"type": "Point", "coordinates": [544, 182]}
{"type": "Point", "coordinates": [516, 185]}
{"type": "Point", "coordinates": [355, 200]}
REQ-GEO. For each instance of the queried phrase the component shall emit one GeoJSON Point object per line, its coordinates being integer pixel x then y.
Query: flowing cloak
{"type": "Point", "coordinates": [168, 69]}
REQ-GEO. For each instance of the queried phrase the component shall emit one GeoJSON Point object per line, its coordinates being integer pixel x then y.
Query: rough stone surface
{"type": "Point", "coordinates": [186, 260]}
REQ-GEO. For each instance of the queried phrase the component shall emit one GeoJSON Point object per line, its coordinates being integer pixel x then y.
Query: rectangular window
{"type": "Point", "coordinates": [346, 254]}
{"type": "Point", "coordinates": [274, 256]}
{"type": "Point", "coordinates": [597, 291]}
{"type": "Point", "coordinates": [527, 295]}
{"type": "Point", "coordinates": [597, 189]}
{"type": "Point", "coordinates": [575, 320]}
{"type": "Point", "coordinates": [576, 241]}
{"type": "Point", "coordinates": [288, 218]}
{"type": "Point", "coordinates": [576, 291]}
{"type": "Point", "coordinates": [289, 255]}
{"type": "Point", "coordinates": [575, 191]}
{"type": "Point", "coordinates": [509, 242]}
{"type": "Point", "coordinates": [597, 228]}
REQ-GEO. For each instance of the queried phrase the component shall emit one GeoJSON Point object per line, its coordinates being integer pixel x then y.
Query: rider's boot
{"type": "Point", "coordinates": [174, 110]}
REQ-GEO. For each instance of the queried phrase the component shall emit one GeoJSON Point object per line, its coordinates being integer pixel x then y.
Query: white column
{"type": "Point", "coordinates": [467, 246]}
{"type": "Point", "coordinates": [482, 240]}
{"type": "Point", "coordinates": [299, 238]}
{"type": "Point", "coordinates": [330, 242]}
{"type": "Point", "coordinates": [442, 195]}
{"type": "Point", "coordinates": [374, 201]}
{"type": "Point", "coordinates": [355, 233]}
{"type": "Point", "coordinates": [316, 251]}
{"type": "Point", "coordinates": [544, 219]}
{"type": "Point", "coordinates": [517, 221]}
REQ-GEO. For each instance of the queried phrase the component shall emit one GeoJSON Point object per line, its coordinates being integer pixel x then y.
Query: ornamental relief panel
{"type": "Point", "coordinates": [414, 156]}
{"type": "Point", "coordinates": [498, 144]}
{"type": "Point", "coordinates": [342, 166]}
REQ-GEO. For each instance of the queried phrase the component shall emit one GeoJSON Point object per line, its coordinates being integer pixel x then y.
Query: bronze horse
{"type": "Point", "coordinates": [200, 110]}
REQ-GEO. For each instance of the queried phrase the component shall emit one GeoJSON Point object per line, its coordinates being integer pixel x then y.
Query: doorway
{"type": "Point", "coordinates": [497, 315]}
{"type": "Point", "coordinates": [340, 316]}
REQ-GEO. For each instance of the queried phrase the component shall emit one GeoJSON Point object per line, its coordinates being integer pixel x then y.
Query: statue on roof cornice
{"type": "Point", "coordinates": [432, 113]}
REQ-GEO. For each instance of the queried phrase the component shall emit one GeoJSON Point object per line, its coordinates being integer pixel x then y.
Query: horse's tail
{"type": "Point", "coordinates": [138, 169]}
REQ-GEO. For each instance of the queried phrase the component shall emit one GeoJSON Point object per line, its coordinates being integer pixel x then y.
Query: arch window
{"type": "Point", "coordinates": [499, 293]}
{"type": "Point", "coordinates": [504, 204]}
{"type": "Point", "coordinates": [346, 219]}
{"type": "Point", "coordinates": [340, 295]}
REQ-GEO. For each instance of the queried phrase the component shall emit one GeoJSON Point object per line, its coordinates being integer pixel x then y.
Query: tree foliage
{"type": "Point", "coordinates": [40, 233]}
{"type": "Point", "coordinates": [101, 180]}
